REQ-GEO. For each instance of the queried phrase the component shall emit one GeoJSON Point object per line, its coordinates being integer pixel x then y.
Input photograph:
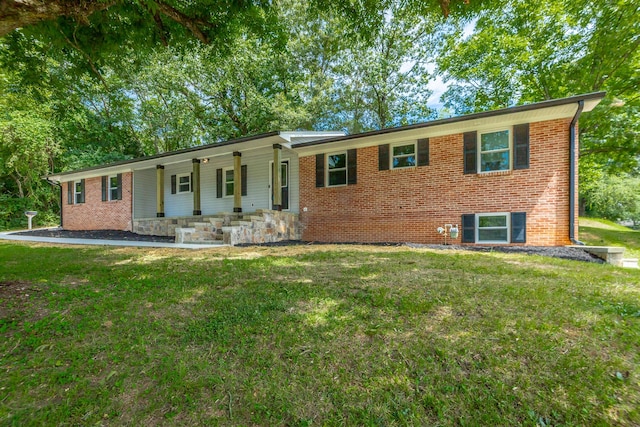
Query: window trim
{"type": "Point", "coordinates": [345, 168]}
{"type": "Point", "coordinates": [224, 181]}
{"type": "Point", "coordinates": [178, 184]}
{"type": "Point", "coordinates": [77, 193]}
{"type": "Point", "coordinates": [402, 144]}
{"type": "Point", "coordinates": [509, 149]}
{"type": "Point", "coordinates": [507, 215]}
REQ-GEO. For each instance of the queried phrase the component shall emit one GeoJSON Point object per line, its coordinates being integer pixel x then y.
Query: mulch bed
{"type": "Point", "coordinates": [553, 251]}
{"type": "Point", "coordinates": [98, 235]}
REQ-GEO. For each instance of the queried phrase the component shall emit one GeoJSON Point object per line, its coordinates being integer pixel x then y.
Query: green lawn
{"type": "Point", "coordinates": [314, 335]}
{"type": "Point", "coordinates": [601, 232]}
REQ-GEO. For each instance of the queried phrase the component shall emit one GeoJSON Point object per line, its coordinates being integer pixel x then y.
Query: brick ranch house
{"type": "Point", "coordinates": [507, 176]}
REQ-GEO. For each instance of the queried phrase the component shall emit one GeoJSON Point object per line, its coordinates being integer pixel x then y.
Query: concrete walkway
{"type": "Point", "coordinates": [102, 242]}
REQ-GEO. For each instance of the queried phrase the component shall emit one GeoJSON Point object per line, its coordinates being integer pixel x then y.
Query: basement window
{"type": "Point", "coordinates": [492, 228]}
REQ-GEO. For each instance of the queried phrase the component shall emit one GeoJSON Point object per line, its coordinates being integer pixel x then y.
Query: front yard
{"type": "Point", "coordinates": [314, 335]}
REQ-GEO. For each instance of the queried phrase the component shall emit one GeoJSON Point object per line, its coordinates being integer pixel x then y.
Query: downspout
{"type": "Point", "coordinates": [572, 174]}
{"type": "Point", "coordinates": [61, 200]}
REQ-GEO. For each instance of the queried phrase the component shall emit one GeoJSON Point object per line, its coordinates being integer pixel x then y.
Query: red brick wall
{"type": "Point", "coordinates": [94, 214]}
{"type": "Point", "coordinates": [408, 205]}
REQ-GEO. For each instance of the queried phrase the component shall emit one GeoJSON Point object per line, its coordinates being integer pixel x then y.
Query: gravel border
{"type": "Point", "coordinates": [562, 252]}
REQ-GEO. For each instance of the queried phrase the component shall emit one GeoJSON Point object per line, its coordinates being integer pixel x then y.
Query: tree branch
{"type": "Point", "coordinates": [22, 13]}
{"type": "Point", "coordinates": [190, 23]}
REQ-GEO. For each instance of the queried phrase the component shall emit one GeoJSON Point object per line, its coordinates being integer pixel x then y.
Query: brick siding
{"type": "Point", "coordinates": [408, 205]}
{"type": "Point", "coordinates": [94, 214]}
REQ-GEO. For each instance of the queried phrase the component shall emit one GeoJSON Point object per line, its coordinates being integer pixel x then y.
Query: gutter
{"type": "Point", "coordinates": [572, 174]}
{"type": "Point", "coordinates": [59, 185]}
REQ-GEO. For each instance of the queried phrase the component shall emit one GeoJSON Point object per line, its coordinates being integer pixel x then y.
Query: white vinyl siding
{"type": "Point", "coordinates": [179, 204]}
{"type": "Point", "coordinates": [258, 190]}
{"type": "Point", "coordinates": [144, 193]}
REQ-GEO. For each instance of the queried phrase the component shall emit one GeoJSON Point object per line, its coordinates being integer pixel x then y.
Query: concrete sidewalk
{"type": "Point", "coordinates": [101, 242]}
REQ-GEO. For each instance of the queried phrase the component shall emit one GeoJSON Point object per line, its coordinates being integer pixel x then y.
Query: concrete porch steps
{"type": "Point", "coordinates": [630, 263]}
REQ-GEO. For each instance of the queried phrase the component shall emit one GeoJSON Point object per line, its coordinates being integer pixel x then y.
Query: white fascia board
{"type": "Point", "coordinates": [479, 124]}
{"type": "Point", "coordinates": [208, 152]}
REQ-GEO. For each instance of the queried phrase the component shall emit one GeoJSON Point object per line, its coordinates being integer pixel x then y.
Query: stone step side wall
{"type": "Point", "coordinates": [165, 226]}
{"type": "Point", "coordinates": [265, 226]}
{"type": "Point", "coordinates": [262, 226]}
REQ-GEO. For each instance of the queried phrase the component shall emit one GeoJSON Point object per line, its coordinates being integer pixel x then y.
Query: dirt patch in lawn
{"type": "Point", "coordinates": [17, 295]}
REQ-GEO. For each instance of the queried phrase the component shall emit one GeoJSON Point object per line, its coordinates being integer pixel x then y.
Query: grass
{"type": "Point", "coordinates": [314, 335]}
{"type": "Point", "coordinates": [600, 232]}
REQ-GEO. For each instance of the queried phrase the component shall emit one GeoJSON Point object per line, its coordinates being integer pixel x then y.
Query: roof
{"type": "Point", "coordinates": [595, 96]}
{"type": "Point", "coordinates": [309, 142]}
{"type": "Point", "coordinates": [208, 150]}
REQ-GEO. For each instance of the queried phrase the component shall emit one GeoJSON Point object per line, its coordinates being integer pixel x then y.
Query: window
{"type": "Point", "coordinates": [113, 187]}
{"type": "Point", "coordinates": [284, 176]}
{"type": "Point", "coordinates": [228, 182]}
{"type": "Point", "coordinates": [184, 183]}
{"type": "Point", "coordinates": [337, 169]}
{"type": "Point", "coordinates": [495, 151]}
{"type": "Point", "coordinates": [492, 228]}
{"type": "Point", "coordinates": [403, 156]}
{"type": "Point", "coordinates": [78, 191]}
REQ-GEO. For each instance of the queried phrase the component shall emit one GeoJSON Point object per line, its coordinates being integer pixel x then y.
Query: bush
{"type": "Point", "coordinates": [12, 213]}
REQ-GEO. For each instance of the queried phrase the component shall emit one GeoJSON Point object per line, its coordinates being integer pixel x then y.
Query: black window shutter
{"type": "Point", "coordinates": [423, 152]}
{"type": "Point", "coordinates": [383, 157]}
{"type": "Point", "coordinates": [191, 182]}
{"type": "Point", "coordinates": [70, 192]}
{"type": "Point", "coordinates": [521, 146]}
{"type": "Point", "coordinates": [319, 170]}
{"type": "Point", "coordinates": [219, 183]}
{"type": "Point", "coordinates": [104, 188]}
{"type": "Point", "coordinates": [82, 191]}
{"type": "Point", "coordinates": [518, 227]}
{"type": "Point", "coordinates": [243, 178]}
{"type": "Point", "coordinates": [468, 228]}
{"type": "Point", "coordinates": [173, 184]}
{"type": "Point", "coordinates": [352, 166]}
{"type": "Point", "coordinates": [470, 152]}
{"type": "Point", "coordinates": [119, 178]}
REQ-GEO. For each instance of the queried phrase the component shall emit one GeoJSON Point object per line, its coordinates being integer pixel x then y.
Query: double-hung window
{"type": "Point", "coordinates": [495, 151]}
{"type": "Point", "coordinates": [78, 192]}
{"type": "Point", "coordinates": [228, 182]}
{"type": "Point", "coordinates": [337, 169]}
{"type": "Point", "coordinates": [113, 187]}
{"type": "Point", "coordinates": [492, 228]}
{"type": "Point", "coordinates": [184, 183]}
{"type": "Point", "coordinates": [403, 156]}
